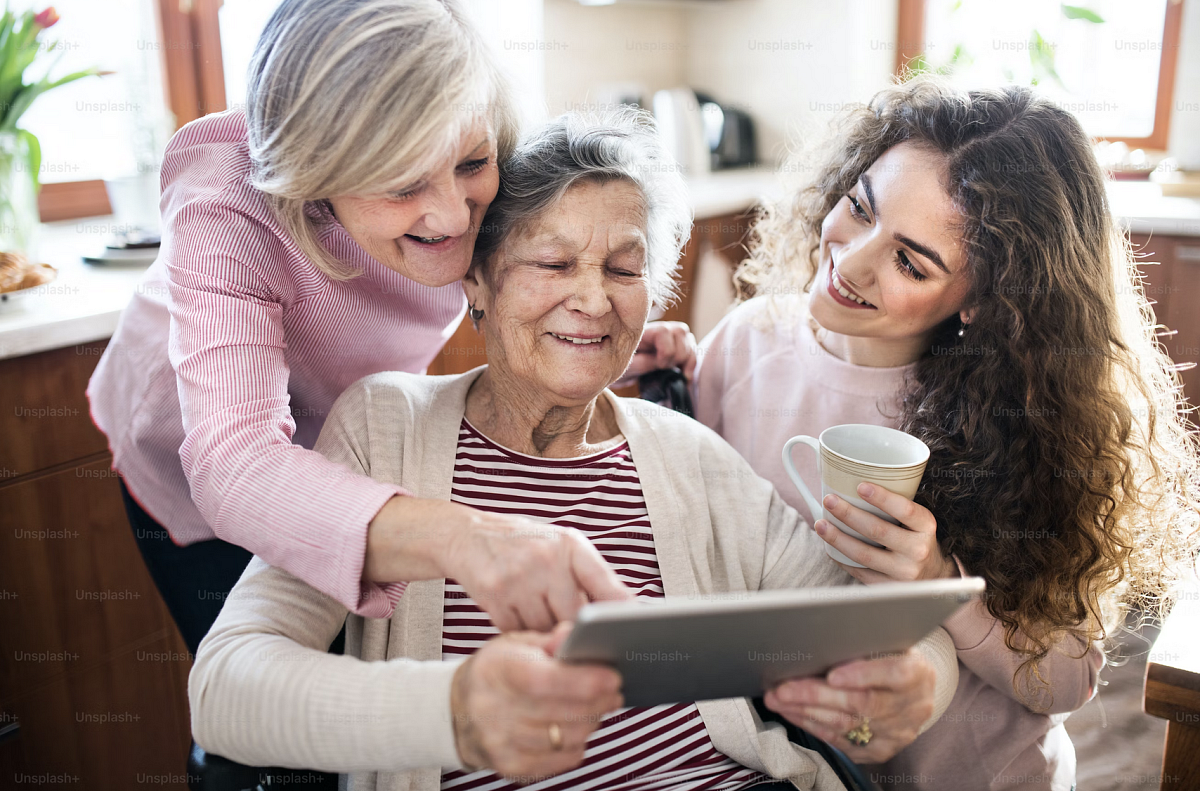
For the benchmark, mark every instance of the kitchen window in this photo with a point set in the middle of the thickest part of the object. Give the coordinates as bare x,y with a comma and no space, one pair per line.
175,61
1110,62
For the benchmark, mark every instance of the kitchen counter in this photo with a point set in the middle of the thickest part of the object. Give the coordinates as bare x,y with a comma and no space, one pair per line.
81,305
84,303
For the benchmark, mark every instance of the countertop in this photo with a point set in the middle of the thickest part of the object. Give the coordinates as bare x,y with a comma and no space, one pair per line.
84,303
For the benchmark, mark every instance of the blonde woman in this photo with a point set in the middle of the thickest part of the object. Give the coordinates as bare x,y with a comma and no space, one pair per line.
313,239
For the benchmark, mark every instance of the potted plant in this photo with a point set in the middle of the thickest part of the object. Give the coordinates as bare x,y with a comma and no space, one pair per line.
21,46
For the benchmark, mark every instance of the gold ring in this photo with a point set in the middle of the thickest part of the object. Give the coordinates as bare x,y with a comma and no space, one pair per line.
556,741
861,736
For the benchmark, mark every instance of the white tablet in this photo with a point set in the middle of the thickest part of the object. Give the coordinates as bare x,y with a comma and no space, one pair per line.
740,644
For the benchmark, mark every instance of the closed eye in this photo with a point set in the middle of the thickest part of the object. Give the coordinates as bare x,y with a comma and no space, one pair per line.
405,194
474,166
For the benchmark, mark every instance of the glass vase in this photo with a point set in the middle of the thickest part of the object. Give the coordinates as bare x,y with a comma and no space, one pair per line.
19,217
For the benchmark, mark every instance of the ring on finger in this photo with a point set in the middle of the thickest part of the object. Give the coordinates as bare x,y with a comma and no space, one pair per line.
860,736
555,733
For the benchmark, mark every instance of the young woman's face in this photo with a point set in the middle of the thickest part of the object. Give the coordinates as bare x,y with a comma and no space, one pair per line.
891,258
427,231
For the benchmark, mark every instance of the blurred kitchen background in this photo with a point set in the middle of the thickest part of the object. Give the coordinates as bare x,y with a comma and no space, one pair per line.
92,686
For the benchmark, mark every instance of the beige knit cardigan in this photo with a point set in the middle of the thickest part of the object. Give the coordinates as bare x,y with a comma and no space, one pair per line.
264,691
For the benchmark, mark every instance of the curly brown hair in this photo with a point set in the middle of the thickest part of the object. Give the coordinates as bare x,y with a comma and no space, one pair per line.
1063,469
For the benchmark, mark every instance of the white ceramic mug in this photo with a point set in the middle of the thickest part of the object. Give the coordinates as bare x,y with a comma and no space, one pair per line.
850,454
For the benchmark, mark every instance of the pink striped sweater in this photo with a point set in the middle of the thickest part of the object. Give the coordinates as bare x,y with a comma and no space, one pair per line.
231,353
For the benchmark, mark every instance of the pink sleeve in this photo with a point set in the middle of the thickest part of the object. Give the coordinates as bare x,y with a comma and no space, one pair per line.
290,506
708,387
979,640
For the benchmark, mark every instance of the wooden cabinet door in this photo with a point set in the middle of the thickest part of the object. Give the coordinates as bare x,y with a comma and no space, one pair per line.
1171,267
45,420
91,665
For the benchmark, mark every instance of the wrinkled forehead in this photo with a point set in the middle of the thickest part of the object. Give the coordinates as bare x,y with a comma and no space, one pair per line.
595,217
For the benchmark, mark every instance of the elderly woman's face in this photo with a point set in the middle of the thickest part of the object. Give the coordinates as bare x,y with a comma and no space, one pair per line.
427,231
566,299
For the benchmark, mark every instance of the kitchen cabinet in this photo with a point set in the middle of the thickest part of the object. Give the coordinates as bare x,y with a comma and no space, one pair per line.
1171,267
91,665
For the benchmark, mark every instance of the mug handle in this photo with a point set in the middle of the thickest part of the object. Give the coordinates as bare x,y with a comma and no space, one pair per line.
813,505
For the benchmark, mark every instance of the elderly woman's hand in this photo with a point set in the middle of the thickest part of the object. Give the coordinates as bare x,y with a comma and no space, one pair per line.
524,714
895,693
524,574
664,344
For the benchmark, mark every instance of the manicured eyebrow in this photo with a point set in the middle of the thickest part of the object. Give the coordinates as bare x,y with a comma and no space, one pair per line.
866,182
922,249
928,252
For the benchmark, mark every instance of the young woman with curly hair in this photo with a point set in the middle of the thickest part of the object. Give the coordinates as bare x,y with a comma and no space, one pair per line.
953,270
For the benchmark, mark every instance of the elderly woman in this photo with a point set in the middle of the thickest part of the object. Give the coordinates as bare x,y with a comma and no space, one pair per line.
314,238
579,244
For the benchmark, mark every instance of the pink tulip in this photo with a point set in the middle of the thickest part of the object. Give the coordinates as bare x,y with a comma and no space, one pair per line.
47,18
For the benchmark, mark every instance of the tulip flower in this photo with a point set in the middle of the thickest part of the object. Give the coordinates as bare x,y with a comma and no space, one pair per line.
47,18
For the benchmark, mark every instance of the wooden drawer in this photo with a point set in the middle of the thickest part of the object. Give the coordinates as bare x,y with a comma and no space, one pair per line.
1171,265
44,416
93,668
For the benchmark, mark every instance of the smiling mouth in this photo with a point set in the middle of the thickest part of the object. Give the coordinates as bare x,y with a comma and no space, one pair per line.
579,341
428,239
841,288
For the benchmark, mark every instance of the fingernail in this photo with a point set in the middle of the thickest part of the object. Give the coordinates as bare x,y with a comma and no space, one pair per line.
831,501
866,489
821,526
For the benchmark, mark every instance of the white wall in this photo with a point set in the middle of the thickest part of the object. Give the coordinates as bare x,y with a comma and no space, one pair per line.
589,49
792,64
513,29
1184,143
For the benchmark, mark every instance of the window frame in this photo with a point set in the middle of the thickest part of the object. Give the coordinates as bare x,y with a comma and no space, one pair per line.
910,41
194,82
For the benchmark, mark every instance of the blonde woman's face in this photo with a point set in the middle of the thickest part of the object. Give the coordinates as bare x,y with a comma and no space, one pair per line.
892,264
427,231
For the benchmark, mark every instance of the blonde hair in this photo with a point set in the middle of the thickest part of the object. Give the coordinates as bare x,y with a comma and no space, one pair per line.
364,96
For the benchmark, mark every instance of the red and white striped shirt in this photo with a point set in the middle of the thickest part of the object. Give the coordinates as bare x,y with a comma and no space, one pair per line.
230,355
634,749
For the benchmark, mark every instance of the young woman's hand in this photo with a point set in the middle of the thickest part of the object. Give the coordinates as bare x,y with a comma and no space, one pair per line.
892,695
664,344
522,713
523,574
910,550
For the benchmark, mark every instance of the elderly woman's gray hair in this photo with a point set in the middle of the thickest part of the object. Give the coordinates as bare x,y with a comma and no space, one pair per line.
621,145
354,97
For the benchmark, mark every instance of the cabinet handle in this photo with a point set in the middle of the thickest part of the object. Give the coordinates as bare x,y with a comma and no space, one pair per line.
1189,253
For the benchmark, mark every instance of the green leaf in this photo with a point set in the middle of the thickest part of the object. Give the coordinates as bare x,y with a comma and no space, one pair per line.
1041,59
75,75
1079,12
35,156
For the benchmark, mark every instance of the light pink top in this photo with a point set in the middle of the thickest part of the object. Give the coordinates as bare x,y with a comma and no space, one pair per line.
230,355
763,379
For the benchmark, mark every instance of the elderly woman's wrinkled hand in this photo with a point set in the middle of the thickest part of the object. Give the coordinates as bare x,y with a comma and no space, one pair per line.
893,695
522,713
